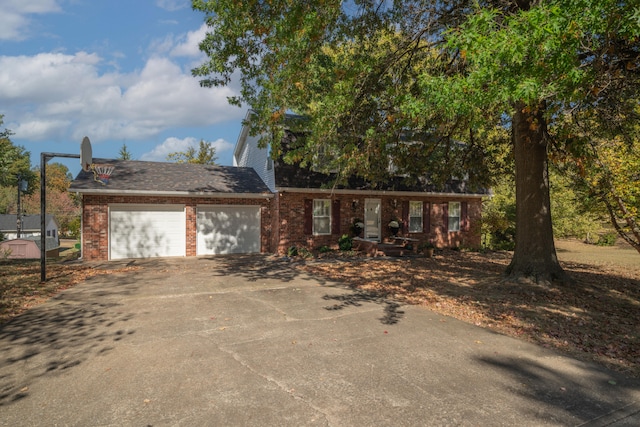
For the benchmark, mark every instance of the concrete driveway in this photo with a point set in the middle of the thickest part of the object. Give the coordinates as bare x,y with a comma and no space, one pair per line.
247,341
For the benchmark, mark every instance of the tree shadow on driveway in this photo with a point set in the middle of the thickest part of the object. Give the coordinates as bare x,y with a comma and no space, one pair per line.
392,312
256,268
55,337
592,395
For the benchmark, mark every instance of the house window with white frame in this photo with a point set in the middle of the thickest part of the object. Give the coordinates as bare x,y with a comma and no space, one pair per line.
415,217
321,216
454,216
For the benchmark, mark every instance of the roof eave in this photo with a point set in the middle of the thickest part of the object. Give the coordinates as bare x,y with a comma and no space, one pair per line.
198,194
378,192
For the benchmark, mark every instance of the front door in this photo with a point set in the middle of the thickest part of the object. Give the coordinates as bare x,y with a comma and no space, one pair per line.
372,219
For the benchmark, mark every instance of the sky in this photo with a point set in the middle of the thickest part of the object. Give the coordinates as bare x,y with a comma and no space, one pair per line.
117,71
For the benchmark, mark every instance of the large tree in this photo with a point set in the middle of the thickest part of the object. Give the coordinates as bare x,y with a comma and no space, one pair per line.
15,161
448,75
15,165
60,202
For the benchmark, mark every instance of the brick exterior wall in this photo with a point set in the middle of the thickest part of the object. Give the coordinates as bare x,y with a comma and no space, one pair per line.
95,219
283,220
289,220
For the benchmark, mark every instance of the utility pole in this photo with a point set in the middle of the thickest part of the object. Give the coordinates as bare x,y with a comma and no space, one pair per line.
22,187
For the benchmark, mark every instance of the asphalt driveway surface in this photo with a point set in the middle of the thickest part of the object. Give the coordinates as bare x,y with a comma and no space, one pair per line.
247,341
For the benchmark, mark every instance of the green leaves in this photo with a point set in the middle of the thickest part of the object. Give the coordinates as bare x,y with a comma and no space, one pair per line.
364,74
527,56
14,160
206,155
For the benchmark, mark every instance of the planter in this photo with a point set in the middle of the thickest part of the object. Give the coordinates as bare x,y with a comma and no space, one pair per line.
429,252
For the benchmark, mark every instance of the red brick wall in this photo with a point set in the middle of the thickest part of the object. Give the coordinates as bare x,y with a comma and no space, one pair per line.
289,220
95,219
283,220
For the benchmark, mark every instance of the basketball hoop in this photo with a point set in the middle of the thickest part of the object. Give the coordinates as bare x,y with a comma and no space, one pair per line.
86,158
102,172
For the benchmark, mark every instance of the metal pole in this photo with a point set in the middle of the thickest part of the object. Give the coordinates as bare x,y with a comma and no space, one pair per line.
43,212
18,219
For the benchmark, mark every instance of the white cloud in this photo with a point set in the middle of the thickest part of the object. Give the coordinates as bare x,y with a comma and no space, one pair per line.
172,5
170,145
14,21
222,146
52,88
173,145
189,45
36,128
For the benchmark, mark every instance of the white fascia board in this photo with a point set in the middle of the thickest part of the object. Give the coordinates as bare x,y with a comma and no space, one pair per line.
174,194
378,192
242,138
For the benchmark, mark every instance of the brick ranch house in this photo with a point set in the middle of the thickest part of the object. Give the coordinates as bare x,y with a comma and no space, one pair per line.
259,205
155,209
308,214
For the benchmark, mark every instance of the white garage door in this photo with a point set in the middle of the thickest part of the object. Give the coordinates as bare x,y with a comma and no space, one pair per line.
228,230
146,231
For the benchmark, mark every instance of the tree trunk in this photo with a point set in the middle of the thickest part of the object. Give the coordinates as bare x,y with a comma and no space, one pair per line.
534,257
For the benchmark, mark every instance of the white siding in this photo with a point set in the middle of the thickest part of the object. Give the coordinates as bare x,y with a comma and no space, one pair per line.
248,154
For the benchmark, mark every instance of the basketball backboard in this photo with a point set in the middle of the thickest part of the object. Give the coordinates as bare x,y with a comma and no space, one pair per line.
86,156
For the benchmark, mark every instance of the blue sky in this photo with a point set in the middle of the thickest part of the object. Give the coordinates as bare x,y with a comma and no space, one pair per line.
117,71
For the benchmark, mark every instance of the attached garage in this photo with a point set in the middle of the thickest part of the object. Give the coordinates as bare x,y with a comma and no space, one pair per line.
146,231
159,209
228,230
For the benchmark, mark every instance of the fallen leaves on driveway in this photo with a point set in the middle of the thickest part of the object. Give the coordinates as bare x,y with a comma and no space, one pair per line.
597,318
20,287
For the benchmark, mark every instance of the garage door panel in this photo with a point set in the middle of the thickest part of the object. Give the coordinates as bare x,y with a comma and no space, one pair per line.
228,230
147,231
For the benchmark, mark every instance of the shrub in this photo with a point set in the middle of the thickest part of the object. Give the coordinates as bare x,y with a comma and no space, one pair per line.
324,249
345,243
608,239
305,253
293,251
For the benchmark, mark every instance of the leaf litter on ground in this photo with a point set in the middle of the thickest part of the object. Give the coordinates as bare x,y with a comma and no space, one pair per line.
595,318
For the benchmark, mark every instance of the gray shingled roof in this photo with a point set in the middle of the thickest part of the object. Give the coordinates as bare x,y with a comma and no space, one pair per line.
29,222
50,242
294,176
137,176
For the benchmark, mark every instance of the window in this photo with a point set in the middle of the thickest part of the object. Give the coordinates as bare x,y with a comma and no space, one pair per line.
415,217
322,216
454,216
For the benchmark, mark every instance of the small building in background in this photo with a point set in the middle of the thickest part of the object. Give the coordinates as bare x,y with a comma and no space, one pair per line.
28,248
30,226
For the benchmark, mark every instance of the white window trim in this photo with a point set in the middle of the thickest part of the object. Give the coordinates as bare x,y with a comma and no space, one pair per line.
313,217
421,221
459,216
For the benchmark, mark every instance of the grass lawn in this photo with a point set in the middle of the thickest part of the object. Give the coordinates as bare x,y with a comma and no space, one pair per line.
596,318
